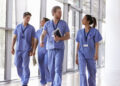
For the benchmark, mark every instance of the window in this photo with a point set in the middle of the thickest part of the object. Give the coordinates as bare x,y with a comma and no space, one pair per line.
74,26
2,13
2,37
50,5
74,2
34,8
2,53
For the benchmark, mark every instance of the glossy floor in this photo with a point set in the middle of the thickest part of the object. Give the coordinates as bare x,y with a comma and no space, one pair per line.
104,78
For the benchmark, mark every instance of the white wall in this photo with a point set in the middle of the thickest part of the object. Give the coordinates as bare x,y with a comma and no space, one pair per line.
113,34
111,75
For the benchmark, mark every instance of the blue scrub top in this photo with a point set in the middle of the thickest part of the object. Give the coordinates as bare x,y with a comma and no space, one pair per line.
24,37
37,36
49,28
93,37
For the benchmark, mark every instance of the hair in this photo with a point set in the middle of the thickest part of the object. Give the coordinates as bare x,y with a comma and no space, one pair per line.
55,8
26,14
92,20
46,19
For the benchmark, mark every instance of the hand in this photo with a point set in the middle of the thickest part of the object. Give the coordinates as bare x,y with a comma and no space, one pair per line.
96,57
31,53
56,38
41,44
34,52
77,59
13,51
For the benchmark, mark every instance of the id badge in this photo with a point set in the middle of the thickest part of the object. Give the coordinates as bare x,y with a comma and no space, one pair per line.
53,34
85,45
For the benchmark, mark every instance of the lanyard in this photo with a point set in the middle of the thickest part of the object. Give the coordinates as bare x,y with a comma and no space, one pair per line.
86,35
56,25
23,30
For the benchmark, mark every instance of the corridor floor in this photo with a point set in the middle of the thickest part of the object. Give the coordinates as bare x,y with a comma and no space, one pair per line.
72,79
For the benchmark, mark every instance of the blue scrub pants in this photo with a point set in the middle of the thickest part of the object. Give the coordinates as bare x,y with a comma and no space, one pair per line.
55,61
41,61
22,63
47,73
91,66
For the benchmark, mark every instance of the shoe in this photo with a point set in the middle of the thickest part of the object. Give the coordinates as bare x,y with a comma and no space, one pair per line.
24,85
49,84
42,85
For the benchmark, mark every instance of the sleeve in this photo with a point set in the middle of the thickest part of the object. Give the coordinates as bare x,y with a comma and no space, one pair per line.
15,31
45,27
36,37
66,28
77,37
98,36
33,32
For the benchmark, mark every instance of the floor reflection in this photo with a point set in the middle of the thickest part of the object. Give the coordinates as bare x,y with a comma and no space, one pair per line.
104,78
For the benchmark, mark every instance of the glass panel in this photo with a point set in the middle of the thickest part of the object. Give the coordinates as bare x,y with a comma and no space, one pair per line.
14,74
101,60
34,8
95,8
2,53
50,5
74,2
2,13
13,16
74,26
71,42
2,37
86,6
77,25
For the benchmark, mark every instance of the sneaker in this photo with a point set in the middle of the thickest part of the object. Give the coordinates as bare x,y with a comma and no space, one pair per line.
42,85
49,84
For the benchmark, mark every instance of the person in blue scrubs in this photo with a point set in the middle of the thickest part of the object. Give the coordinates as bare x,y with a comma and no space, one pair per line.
55,44
87,50
42,55
24,35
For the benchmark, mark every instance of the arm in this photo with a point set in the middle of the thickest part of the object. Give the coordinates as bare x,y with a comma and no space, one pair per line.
35,46
96,52
65,37
13,44
42,38
77,53
32,45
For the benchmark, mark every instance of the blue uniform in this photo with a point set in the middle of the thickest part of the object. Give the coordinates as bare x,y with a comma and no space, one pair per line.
42,59
86,55
23,47
55,50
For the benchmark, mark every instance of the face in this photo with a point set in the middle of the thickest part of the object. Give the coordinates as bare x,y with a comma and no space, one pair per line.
58,14
42,22
27,18
84,21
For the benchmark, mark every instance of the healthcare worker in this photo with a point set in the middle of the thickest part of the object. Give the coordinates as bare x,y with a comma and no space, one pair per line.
87,50
55,44
42,55
24,35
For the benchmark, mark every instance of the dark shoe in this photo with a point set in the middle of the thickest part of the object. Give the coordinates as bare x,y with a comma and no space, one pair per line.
24,85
